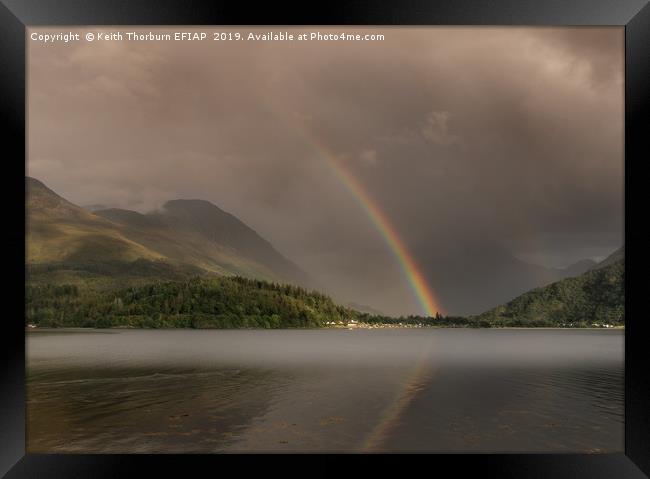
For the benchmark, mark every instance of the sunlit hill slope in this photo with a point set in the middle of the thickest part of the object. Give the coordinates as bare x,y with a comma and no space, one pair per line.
185,237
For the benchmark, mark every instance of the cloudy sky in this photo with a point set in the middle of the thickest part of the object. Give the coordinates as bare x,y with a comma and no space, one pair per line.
508,138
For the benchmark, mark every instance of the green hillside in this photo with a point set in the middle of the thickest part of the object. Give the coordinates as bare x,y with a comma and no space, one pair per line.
596,297
59,231
66,243
613,258
107,295
218,302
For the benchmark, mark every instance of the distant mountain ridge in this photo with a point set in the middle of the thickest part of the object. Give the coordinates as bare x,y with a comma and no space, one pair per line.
364,308
483,275
579,267
596,297
184,232
198,232
613,258
59,231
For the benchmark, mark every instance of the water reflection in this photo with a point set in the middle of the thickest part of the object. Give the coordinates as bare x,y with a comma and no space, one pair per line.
325,390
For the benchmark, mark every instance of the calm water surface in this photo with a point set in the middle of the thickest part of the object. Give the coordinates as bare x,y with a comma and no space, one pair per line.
397,390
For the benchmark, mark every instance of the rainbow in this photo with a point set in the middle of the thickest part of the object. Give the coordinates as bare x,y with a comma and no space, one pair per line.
390,236
422,371
430,306
389,419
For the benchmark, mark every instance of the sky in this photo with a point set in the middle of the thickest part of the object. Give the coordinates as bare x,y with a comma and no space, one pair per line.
467,140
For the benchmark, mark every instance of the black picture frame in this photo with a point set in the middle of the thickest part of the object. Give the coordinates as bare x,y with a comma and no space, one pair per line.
16,15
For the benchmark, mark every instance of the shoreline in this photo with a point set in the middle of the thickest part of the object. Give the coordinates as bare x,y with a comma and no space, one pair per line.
79,328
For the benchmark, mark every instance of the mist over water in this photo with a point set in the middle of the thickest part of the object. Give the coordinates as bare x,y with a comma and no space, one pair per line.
325,390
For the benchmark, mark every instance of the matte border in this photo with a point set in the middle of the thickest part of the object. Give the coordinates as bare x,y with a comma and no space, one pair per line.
15,15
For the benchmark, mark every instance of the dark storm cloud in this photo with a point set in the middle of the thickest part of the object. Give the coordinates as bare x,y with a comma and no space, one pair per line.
508,136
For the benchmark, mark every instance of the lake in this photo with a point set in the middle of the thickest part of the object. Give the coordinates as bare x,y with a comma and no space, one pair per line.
330,390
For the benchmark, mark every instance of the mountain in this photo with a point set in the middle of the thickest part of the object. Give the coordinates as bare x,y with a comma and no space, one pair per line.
596,297
479,276
616,256
192,235
364,308
94,207
579,267
199,233
59,231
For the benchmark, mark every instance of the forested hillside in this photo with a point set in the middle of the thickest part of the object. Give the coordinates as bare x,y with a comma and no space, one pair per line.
594,298
219,302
